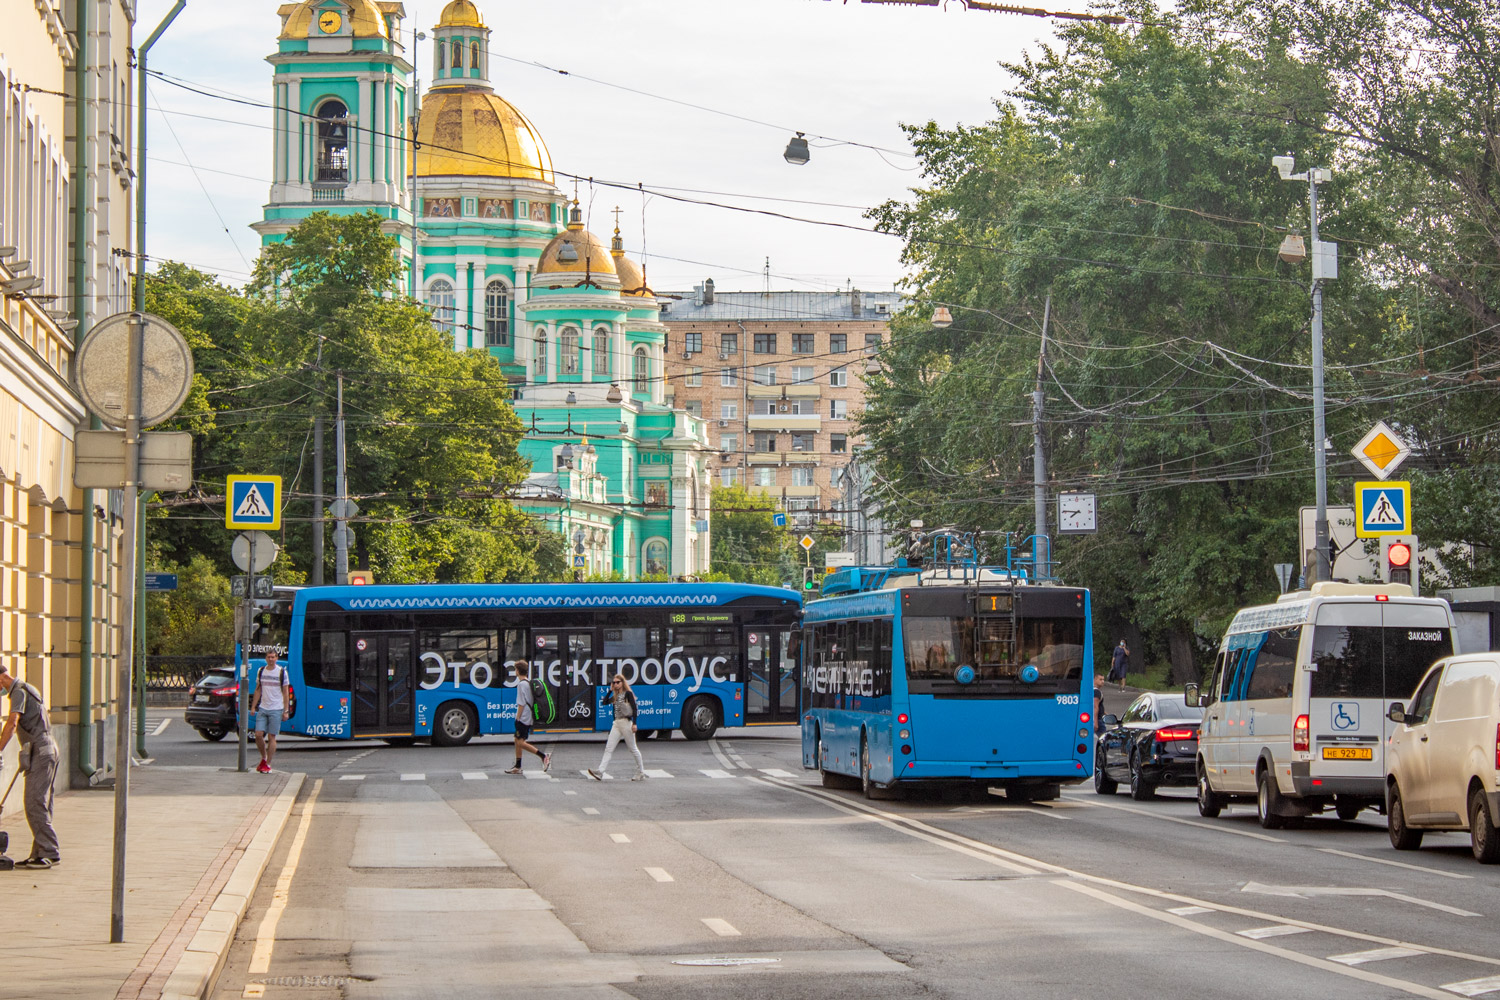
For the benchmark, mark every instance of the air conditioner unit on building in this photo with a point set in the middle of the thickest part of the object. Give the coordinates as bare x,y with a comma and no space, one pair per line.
687,355
785,408
723,355
725,456
723,423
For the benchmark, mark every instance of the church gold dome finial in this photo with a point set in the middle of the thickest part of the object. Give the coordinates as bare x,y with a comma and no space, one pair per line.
576,250
460,14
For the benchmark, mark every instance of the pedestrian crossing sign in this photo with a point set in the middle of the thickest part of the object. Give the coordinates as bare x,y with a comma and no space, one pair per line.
253,502
1383,509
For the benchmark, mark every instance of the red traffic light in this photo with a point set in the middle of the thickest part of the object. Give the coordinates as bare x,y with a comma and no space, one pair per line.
360,578
1399,555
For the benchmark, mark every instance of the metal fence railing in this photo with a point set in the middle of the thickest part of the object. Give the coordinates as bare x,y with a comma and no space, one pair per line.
176,674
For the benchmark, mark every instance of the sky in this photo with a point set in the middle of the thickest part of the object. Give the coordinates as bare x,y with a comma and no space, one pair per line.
847,71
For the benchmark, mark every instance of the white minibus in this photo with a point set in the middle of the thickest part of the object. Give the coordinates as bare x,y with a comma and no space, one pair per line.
1295,707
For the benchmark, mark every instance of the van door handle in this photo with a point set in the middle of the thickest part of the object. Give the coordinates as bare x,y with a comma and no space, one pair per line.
1423,738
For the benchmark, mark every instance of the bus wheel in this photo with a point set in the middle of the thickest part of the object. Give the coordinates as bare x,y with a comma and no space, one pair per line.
830,778
455,726
872,791
700,718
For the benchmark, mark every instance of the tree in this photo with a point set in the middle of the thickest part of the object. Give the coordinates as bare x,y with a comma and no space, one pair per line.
748,547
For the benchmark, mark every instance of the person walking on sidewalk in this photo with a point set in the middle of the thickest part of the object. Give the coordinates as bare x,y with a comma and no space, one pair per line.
28,716
1119,663
526,718
626,714
269,707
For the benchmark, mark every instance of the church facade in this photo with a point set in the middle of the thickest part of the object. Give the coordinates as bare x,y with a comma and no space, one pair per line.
464,182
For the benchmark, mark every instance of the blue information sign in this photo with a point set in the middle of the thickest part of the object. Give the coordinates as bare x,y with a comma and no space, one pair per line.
161,581
779,520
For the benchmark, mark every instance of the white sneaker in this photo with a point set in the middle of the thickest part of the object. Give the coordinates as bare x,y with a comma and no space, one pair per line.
595,775
639,777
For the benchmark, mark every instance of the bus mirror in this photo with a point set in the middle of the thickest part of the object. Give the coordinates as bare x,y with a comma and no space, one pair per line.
1190,695
1397,712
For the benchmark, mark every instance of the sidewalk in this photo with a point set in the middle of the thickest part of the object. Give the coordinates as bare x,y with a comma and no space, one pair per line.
199,839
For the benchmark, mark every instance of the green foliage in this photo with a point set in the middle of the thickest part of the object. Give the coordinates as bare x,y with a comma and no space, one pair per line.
196,619
431,435
747,545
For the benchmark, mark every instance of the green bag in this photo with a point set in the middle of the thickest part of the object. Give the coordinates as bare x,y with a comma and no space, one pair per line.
544,709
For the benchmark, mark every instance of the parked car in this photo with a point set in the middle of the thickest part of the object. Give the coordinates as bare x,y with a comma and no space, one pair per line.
1443,761
213,704
1154,743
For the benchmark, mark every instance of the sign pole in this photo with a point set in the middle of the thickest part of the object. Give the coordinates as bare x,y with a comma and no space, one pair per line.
244,684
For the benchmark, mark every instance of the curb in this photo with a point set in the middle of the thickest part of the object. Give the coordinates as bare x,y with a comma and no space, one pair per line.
197,971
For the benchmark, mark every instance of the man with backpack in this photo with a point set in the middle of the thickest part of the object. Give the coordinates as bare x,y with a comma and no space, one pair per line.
526,699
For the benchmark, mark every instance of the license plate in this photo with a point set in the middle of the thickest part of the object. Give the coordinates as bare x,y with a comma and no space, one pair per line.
202,697
1348,753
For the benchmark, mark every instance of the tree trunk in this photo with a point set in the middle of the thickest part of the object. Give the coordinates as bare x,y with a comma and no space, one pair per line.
1184,669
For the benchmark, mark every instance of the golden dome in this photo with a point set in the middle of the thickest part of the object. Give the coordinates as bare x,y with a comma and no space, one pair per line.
460,14
475,133
632,281
366,19
585,252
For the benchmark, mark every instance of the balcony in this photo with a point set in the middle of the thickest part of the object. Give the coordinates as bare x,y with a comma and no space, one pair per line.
789,390
333,171
802,491
785,422
765,458
801,457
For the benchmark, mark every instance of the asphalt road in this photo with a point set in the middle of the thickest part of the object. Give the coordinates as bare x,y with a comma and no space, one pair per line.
419,871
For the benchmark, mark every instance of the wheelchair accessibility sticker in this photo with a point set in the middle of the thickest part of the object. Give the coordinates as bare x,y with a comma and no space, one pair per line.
1345,715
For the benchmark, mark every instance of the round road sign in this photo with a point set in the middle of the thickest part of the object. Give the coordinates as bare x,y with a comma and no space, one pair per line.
166,369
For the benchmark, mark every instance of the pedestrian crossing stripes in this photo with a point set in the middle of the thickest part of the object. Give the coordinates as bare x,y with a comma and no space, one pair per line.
536,774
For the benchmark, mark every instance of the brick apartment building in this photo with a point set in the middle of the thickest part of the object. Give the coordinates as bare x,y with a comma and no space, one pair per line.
779,377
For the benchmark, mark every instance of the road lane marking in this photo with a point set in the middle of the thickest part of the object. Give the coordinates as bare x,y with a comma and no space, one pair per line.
660,874
1415,989
414,777
265,937
1373,955
723,928
1475,987
161,728
619,838
590,811
1393,864
777,772
1188,911
570,793
658,774
715,773
1217,827
1275,930
719,753
1309,891
1093,884
475,776
352,777
536,775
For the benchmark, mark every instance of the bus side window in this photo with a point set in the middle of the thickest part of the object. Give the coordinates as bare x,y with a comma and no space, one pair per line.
883,658
1211,689
333,660
1232,675
1272,676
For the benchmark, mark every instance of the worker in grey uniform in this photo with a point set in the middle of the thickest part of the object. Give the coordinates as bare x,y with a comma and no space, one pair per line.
28,716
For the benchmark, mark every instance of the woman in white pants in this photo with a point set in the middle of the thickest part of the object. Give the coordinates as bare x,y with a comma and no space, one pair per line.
626,713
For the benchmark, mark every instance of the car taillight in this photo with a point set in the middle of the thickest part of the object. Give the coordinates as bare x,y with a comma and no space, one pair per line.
1301,742
1169,735
903,718
231,689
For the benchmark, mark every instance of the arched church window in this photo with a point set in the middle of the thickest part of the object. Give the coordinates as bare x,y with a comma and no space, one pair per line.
539,357
333,143
458,57
601,351
474,56
441,300
496,315
642,372
567,351
441,57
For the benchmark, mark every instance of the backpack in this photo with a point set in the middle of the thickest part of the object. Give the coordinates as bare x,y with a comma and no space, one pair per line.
543,708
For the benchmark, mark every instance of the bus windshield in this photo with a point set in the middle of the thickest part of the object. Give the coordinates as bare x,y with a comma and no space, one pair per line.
997,649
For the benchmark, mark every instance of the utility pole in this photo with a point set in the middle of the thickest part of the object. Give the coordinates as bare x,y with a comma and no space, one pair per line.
1039,456
341,487
318,520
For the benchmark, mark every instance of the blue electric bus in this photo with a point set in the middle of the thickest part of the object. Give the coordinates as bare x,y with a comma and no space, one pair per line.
955,674
434,661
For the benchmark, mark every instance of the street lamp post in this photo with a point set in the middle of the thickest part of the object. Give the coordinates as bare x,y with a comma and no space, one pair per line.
1325,268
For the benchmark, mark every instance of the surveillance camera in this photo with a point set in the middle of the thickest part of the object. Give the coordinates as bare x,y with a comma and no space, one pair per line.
1283,164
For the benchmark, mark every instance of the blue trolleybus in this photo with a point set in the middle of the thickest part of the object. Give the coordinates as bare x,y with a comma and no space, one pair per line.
435,661
958,674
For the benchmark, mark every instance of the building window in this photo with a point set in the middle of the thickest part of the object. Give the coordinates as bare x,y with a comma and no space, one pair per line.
802,475
729,376
729,442
729,477
803,373
458,56
762,407
539,357
765,476
474,56
765,343
838,377
729,343
872,343
765,441
496,315
601,352
804,441
802,343
567,351
765,374
694,407
838,443
442,62
694,377
729,411
838,409
838,343
642,372
692,342
440,300
333,143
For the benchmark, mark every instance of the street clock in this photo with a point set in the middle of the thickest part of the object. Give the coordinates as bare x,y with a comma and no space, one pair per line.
1077,514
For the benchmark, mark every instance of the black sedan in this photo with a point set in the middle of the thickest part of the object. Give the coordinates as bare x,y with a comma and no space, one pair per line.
213,704
1155,743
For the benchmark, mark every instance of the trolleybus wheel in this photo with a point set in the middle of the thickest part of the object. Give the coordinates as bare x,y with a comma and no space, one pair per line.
831,779
700,718
872,791
455,725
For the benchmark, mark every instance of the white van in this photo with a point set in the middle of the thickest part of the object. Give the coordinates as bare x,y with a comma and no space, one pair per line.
1295,708
1443,762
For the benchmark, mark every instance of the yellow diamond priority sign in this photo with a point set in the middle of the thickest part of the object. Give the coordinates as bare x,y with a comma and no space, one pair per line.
1381,451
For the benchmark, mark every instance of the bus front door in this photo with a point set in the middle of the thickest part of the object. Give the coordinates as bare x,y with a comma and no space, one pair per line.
563,659
384,684
770,678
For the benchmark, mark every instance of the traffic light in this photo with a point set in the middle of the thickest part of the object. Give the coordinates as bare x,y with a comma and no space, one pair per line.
809,580
361,578
1400,556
